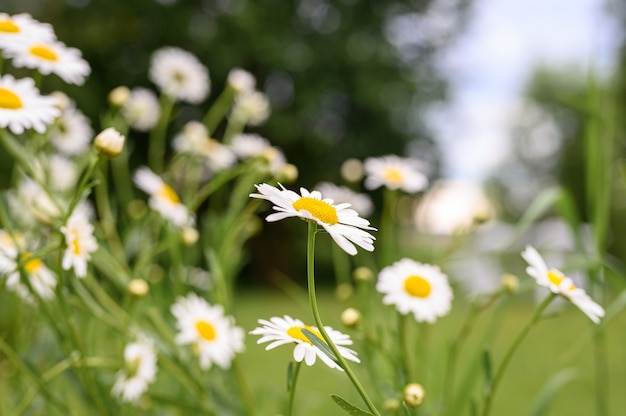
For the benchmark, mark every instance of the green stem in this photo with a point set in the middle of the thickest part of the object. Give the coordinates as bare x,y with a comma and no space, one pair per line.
514,346
292,387
403,342
82,185
387,242
156,148
219,109
312,230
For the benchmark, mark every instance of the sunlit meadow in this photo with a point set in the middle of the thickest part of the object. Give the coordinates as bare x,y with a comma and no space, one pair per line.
119,279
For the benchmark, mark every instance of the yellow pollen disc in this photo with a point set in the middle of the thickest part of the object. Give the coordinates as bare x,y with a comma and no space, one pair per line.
296,332
417,286
206,330
76,247
555,277
393,175
9,100
32,265
318,209
166,192
44,52
7,26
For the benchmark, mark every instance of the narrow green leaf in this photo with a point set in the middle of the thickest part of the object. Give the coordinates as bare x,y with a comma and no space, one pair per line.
487,370
320,343
552,386
407,411
349,407
538,208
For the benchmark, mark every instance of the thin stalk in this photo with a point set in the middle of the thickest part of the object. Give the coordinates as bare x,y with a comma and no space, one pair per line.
292,387
312,230
156,148
82,185
403,342
514,346
219,109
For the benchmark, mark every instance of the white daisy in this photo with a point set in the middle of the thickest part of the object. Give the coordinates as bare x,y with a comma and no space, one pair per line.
421,289
141,110
560,284
62,173
79,241
361,203
22,107
73,132
251,107
50,57
241,80
194,139
343,224
21,27
163,199
32,204
140,370
247,146
287,330
213,335
179,75
394,172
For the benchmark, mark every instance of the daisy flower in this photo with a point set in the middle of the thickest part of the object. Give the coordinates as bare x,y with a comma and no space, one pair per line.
31,203
73,133
62,173
361,203
213,335
394,172
287,330
560,284
140,370
195,139
421,289
22,27
79,241
343,224
50,57
23,107
179,75
241,80
251,107
163,199
247,146
141,110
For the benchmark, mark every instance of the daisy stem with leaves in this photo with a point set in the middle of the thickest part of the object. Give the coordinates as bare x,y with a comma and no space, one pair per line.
492,387
312,230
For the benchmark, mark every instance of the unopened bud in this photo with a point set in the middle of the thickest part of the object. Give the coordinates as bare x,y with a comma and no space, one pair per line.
288,173
510,283
414,394
350,317
363,274
118,96
190,236
110,142
391,405
344,291
138,287
352,170
63,101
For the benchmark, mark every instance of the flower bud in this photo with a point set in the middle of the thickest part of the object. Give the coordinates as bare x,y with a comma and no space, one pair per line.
138,287
363,274
190,236
510,283
391,405
110,142
118,96
344,291
414,394
350,317
352,170
288,173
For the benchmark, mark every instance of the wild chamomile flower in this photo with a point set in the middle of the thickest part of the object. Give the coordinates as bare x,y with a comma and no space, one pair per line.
140,370
163,199
79,241
214,336
195,139
412,287
343,224
560,284
50,57
179,75
287,330
22,27
394,172
247,146
23,107
32,204
62,173
241,80
251,107
141,110
361,203
73,132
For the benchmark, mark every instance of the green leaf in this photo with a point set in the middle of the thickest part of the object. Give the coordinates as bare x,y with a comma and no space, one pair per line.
487,369
349,407
321,344
552,386
537,209
406,409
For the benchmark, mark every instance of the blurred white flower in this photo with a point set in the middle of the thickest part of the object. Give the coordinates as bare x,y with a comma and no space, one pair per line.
163,199
141,109
179,75
241,80
23,107
63,174
361,203
394,172
251,107
140,370
73,133
248,146
31,203
79,241
194,139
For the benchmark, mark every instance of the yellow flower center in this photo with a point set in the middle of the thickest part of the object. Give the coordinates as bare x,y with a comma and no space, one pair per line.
206,330
296,332
167,193
44,52
33,264
556,277
393,175
318,209
76,246
417,286
7,26
9,100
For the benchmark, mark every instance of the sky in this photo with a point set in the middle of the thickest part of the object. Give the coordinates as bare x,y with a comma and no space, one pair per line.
492,60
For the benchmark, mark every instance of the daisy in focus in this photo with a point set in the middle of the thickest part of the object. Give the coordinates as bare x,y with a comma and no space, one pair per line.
560,284
23,107
214,336
394,172
140,362
412,287
287,330
21,27
79,241
179,75
49,57
342,223
163,199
